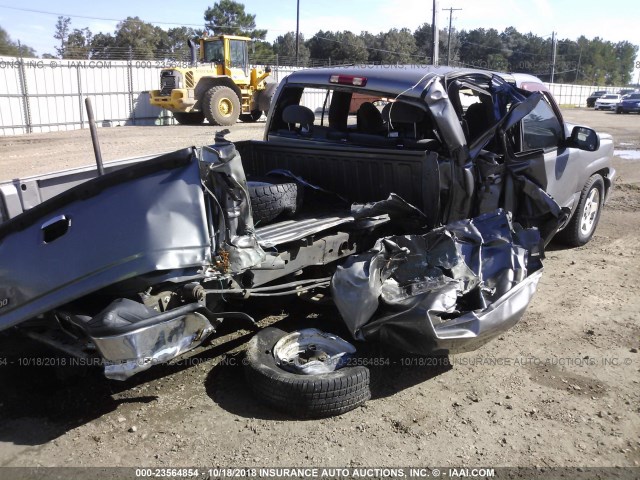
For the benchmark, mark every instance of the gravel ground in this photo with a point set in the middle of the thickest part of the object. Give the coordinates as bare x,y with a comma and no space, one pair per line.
562,388
39,153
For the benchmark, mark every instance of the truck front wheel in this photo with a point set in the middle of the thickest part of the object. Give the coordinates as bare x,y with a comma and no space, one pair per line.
221,106
585,219
192,118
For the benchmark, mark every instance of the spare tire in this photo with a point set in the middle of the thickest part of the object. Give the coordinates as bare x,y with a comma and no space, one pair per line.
271,197
305,396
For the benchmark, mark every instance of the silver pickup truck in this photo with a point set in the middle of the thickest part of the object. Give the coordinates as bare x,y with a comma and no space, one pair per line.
418,200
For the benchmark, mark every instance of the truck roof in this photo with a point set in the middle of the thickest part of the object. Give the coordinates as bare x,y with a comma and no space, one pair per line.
400,78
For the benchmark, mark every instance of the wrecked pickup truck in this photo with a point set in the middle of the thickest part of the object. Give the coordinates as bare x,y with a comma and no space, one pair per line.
422,219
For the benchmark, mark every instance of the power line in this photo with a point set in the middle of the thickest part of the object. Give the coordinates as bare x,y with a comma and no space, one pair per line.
86,17
92,18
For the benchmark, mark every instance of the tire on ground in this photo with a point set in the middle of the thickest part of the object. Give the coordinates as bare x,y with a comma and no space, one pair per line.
304,396
265,97
191,118
221,106
572,234
271,197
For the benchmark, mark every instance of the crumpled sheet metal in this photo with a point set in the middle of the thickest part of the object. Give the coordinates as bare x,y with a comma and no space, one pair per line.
449,290
445,117
227,181
532,205
394,206
134,352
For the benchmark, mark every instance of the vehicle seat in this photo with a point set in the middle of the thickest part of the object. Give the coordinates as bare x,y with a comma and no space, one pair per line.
411,125
299,120
477,119
369,119
404,118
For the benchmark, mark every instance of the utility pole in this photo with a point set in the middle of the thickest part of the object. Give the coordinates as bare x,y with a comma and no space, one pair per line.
297,30
435,34
554,43
578,69
451,10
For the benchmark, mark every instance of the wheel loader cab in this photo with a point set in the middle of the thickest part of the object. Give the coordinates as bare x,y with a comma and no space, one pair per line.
238,55
213,51
229,53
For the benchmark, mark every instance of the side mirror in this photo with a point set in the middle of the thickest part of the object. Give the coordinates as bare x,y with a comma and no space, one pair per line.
585,138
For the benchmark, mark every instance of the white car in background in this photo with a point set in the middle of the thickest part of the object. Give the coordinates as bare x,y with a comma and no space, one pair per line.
608,101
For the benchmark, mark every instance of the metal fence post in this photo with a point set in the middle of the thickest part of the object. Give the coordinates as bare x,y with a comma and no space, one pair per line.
26,107
80,96
132,112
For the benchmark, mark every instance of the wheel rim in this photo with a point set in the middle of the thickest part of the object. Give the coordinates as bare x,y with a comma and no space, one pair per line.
225,107
311,352
590,211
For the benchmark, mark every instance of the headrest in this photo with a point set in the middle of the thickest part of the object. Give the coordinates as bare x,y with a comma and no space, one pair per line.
369,118
298,114
401,112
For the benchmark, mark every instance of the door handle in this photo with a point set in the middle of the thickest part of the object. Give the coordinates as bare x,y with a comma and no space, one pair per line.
55,228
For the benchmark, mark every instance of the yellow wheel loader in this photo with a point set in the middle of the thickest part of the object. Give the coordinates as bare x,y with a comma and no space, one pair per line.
218,85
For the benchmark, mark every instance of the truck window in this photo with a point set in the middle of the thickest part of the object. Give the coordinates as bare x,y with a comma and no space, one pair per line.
541,128
238,53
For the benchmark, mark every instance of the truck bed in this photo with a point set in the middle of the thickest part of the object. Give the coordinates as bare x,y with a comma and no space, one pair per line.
357,174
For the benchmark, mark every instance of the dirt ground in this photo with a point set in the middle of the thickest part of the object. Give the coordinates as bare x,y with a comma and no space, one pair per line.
562,388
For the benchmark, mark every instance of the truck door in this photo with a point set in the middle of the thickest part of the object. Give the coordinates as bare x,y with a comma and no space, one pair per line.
549,161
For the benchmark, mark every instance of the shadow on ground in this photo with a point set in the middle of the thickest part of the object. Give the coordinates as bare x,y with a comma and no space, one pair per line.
37,391
391,371
61,398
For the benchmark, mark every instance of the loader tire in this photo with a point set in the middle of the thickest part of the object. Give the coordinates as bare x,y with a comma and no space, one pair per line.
251,117
221,106
191,118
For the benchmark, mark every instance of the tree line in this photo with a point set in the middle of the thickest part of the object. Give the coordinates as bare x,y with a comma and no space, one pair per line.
583,61
12,48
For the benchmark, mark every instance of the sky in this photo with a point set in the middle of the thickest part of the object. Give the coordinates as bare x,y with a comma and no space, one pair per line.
620,20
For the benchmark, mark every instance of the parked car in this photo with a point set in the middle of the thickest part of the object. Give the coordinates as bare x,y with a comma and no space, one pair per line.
424,223
630,103
591,99
626,91
608,101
